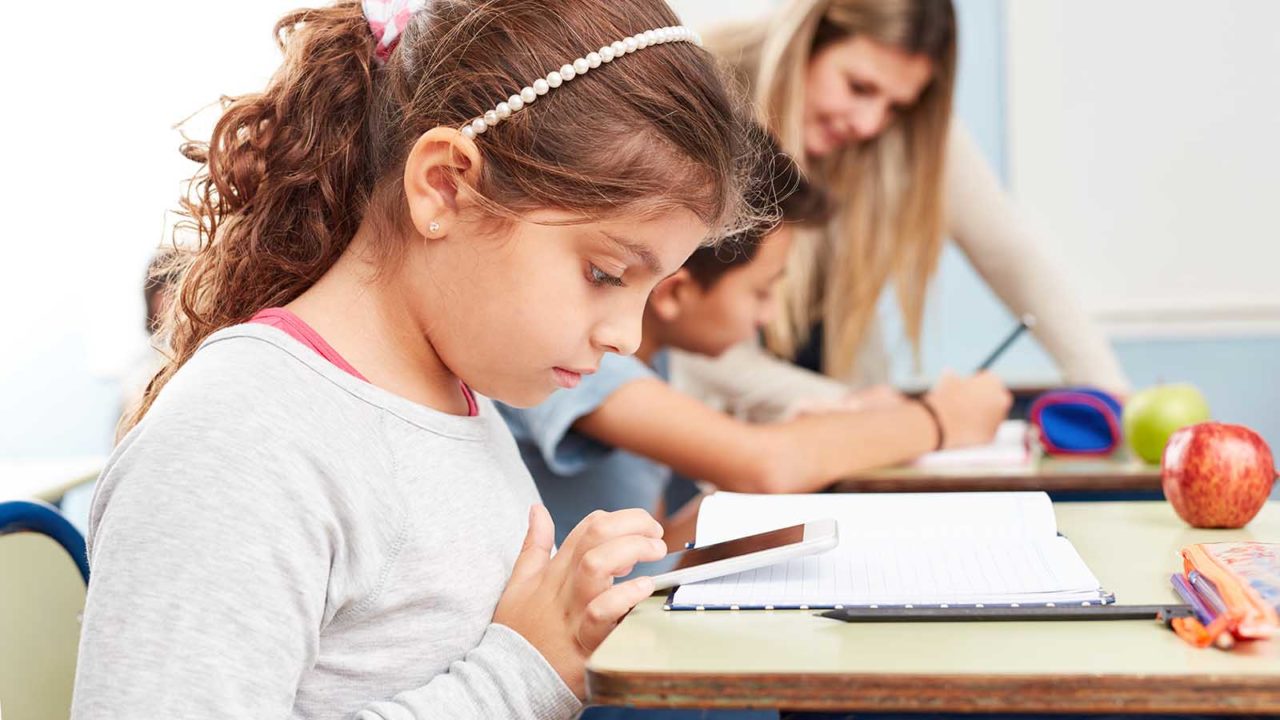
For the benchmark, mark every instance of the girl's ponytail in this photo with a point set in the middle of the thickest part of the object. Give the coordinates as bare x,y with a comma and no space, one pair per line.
284,184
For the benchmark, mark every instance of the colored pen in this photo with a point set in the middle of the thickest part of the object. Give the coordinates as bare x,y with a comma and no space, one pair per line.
1189,596
1207,590
1025,323
1212,622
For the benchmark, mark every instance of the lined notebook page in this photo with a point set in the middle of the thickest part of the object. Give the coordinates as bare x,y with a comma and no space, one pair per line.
909,549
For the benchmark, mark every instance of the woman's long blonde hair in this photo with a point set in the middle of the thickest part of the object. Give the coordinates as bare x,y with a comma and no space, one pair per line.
889,190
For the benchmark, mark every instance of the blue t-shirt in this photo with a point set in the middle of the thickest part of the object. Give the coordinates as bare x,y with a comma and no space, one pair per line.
576,474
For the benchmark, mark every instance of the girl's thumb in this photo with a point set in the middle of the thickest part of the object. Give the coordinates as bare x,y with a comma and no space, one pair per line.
538,541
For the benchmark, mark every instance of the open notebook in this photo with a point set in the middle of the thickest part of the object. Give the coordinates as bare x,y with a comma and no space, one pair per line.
924,549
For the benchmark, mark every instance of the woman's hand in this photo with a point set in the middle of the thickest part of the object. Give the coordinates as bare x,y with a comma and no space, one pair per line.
566,605
969,409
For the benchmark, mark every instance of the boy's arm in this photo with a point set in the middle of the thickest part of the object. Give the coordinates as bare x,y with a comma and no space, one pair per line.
751,383
650,418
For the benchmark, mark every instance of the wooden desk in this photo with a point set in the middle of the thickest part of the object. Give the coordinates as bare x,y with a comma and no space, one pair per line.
795,660
1050,474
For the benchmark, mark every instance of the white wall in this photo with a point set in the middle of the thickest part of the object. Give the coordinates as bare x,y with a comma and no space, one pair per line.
92,155
1143,140
705,14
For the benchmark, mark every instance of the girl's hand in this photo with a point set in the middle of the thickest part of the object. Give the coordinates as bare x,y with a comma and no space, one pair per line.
970,409
566,605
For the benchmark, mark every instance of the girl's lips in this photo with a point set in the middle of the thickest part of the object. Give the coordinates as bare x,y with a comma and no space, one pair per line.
567,379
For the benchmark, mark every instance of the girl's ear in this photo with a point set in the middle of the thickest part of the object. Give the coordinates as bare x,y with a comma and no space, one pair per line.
438,160
667,301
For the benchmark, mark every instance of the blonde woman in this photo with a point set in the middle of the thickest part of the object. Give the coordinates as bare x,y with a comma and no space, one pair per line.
861,92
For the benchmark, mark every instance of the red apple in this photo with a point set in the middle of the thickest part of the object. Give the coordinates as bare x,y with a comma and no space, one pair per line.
1217,475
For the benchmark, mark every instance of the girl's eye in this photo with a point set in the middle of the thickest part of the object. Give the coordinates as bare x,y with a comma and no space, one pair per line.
600,278
859,88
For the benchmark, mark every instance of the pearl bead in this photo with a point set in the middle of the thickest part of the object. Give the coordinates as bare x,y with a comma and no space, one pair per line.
554,79
619,48
516,103
541,86
568,72
641,42
606,54
479,126
468,133
503,110
528,95
594,59
581,65
631,44
491,118
650,37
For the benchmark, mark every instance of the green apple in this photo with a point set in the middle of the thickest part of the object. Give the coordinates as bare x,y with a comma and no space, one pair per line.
1154,414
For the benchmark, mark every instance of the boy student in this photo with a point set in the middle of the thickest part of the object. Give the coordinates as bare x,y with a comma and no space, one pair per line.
613,441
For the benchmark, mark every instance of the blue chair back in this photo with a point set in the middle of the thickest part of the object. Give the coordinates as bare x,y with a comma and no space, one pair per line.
43,574
35,516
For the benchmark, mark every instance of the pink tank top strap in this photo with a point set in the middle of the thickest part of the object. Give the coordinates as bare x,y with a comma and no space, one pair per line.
296,328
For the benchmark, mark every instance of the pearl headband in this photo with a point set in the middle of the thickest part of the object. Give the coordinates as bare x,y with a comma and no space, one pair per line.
569,71
388,19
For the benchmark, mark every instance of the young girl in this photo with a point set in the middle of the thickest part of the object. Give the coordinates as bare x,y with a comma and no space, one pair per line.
313,514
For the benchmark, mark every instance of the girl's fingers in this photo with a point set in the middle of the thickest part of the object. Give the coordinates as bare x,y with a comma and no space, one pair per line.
536,552
600,527
598,566
603,613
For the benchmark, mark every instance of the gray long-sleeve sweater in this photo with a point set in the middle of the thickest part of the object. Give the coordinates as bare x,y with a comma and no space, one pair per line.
279,539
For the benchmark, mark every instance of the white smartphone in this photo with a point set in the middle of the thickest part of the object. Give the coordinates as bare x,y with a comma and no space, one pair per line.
740,554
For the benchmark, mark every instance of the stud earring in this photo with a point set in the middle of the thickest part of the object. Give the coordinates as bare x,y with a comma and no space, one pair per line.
434,227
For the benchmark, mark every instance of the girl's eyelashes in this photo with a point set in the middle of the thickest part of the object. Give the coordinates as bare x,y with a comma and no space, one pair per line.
859,88
600,278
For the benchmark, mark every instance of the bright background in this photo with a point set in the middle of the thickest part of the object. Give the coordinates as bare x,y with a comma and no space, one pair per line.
1139,137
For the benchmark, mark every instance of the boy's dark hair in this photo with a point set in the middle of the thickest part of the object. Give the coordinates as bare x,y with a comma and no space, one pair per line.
781,191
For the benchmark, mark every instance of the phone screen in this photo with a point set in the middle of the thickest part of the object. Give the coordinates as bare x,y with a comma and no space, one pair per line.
719,551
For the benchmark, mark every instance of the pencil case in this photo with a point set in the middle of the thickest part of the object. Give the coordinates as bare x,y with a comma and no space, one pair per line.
1077,421
1246,579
